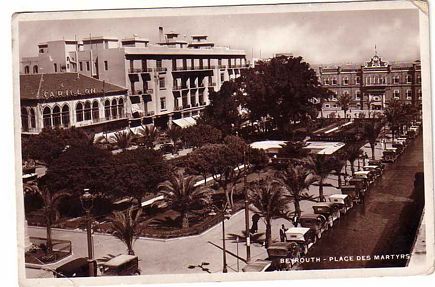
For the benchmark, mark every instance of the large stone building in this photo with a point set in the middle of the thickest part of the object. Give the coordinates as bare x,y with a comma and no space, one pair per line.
165,81
373,84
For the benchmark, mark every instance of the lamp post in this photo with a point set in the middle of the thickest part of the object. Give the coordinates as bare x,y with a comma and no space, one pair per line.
225,214
245,191
86,200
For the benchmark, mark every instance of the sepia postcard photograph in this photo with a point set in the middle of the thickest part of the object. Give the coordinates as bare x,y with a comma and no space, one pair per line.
223,143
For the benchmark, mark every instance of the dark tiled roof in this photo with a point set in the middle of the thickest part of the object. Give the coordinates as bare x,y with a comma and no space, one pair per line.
63,85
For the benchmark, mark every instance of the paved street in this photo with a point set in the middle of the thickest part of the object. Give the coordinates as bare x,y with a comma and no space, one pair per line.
386,224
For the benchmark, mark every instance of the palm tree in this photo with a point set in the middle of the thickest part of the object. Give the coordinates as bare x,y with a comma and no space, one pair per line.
174,133
344,102
50,203
148,136
183,195
297,180
123,140
353,152
394,114
321,167
268,200
337,164
125,226
371,133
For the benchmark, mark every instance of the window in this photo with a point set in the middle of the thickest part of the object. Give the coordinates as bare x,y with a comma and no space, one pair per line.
144,65
24,120
56,116
409,79
95,111
327,105
67,59
174,64
222,77
106,65
219,62
162,83
419,94
326,81
358,95
32,118
382,80
357,79
81,66
345,93
79,112
26,70
346,81
107,110
35,69
88,67
408,94
46,117
418,79
87,111
65,116
114,108
334,81
121,108
396,79
396,94
55,67
184,64
192,64
158,63
163,103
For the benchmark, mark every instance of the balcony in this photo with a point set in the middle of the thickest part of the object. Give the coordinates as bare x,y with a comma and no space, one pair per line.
179,88
139,70
195,68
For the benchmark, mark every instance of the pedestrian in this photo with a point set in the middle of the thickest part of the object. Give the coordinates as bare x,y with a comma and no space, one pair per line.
282,234
254,228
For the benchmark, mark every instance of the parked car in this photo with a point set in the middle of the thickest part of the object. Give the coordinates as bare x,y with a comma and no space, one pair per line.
78,267
121,265
368,176
374,169
303,236
329,210
316,222
378,163
283,255
258,266
398,146
343,201
389,155
360,184
352,192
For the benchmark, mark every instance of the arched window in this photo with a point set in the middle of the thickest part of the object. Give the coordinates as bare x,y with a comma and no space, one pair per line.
56,116
32,118
107,109
87,111
46,117
24,120
35,69
95,111
114,108
79,112
26,70
65,116
121,108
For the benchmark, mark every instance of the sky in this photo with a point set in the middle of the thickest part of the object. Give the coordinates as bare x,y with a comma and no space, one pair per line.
319,37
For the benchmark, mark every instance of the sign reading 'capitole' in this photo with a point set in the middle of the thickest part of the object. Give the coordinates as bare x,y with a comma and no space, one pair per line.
70,92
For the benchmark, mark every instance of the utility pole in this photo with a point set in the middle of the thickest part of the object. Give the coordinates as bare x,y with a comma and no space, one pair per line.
245,190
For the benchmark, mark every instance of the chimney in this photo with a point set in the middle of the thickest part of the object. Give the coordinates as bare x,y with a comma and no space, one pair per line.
161,34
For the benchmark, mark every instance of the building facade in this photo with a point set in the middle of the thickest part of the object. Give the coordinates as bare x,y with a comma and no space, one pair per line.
70,99
164,81
372,85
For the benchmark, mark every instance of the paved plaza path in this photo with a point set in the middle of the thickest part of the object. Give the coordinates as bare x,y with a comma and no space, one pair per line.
175,255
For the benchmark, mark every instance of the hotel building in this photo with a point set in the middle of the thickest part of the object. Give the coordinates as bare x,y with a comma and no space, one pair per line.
164,81
373,84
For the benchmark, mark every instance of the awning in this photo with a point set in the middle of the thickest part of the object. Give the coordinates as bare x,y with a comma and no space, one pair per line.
185,122
134,99
146,98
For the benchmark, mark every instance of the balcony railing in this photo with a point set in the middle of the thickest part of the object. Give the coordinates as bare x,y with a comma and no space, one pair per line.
179,87
140,70
195,68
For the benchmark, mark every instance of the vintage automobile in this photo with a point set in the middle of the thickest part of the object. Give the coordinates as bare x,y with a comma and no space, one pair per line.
75,268
376,170
389,155
121,265
258,266
343,201
303,236
353,192
316,222
368,176
403,140
398,146
359,183
378,163
283,255
329,210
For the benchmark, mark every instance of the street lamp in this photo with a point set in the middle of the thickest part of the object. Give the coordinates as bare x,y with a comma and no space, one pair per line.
226,213
86,200
245,191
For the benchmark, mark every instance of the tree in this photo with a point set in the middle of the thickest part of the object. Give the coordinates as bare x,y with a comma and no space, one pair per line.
352,153
122,140
372,128
197,163
294,150
200,134
125,226
297,179
394,114
257,159
337,164
50,143
268,199
223,110
183,195
174,133
148,135
138,172
344,102
288,82
321,166
50,202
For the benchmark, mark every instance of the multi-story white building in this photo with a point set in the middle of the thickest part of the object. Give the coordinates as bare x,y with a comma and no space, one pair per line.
165,81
